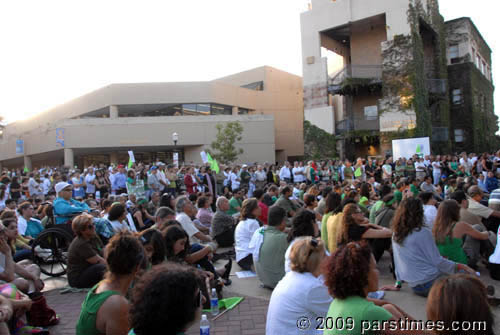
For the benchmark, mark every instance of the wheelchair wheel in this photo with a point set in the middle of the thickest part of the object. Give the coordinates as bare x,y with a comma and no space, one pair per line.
50,251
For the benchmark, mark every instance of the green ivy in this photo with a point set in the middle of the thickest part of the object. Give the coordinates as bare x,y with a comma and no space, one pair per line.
318,144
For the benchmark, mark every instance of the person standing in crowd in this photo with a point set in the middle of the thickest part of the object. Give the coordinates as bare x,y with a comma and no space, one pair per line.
34,187
154,180
244,177
119,184
15,189
172,180
387,170
101,184
436,170
260,177
78,185
90,183
285,173
235,179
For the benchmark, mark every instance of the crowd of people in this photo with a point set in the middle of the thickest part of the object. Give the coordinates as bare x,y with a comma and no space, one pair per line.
148,238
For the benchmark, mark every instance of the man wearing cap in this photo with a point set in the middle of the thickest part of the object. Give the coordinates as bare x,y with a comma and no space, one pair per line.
64,205
154,180
244,177
475,206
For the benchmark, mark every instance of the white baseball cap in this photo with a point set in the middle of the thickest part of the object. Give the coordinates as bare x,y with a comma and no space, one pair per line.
61,186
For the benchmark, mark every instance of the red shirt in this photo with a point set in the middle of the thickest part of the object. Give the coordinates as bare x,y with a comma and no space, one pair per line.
264,210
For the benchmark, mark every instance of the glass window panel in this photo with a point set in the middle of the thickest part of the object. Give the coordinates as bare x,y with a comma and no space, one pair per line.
221,110
459,135
203,109
457,96
189,109
453,51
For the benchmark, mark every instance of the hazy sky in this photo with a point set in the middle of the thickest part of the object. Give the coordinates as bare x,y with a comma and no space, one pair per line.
56,50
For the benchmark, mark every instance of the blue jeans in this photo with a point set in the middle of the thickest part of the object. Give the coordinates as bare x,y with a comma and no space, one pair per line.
424,289
22,254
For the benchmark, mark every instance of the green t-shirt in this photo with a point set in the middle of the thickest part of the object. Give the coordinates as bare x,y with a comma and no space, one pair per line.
398,196
233,204
373,211
414,190
357,314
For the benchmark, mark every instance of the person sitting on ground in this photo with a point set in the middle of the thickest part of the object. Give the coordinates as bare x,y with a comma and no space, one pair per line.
475,206
332,201
154,246
105,310
303,225
350,289
355,227
86,266
185,211
385,190
140,216
269,245
322,203
64,206
178,250
271,195
383,217
162,216
235,203
167,295
334,224
20,244
264,209
449,233
117,217
25,277
460,297
413,248
204,213
244,231
310,203
301,293
27,225
223,224
430,210
491,182
284,201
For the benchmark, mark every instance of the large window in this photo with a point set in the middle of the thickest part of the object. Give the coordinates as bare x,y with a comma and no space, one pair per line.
453,52
221,109
257,86
459,135
371,113
457,96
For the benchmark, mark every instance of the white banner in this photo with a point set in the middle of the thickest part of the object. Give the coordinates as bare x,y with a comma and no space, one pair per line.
131,156
204,157
411,146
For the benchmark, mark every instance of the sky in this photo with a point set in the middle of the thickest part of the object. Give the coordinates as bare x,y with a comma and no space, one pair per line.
57,50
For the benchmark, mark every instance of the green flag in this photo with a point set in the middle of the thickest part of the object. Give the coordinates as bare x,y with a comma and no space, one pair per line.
130,163
357,173
214,166
419,149
26,169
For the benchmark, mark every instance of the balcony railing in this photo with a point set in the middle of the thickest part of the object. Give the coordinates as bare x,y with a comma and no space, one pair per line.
348,125
437,86
357,71
352,78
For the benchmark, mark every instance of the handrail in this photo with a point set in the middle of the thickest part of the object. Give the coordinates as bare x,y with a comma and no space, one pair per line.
357,71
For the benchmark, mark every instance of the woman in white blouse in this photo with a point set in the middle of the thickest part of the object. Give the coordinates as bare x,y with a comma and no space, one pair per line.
248,224
301,295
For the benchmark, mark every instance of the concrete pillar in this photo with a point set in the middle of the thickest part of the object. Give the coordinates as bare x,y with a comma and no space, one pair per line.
27,163
1,167
113,158
113,112
235,110
69,158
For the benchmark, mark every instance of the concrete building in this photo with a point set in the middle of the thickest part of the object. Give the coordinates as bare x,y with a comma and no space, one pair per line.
100,127
378,71
473,121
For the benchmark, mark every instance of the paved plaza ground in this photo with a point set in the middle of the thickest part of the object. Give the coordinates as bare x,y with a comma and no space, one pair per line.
249,317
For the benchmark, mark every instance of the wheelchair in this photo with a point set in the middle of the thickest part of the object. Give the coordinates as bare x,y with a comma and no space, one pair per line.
50,248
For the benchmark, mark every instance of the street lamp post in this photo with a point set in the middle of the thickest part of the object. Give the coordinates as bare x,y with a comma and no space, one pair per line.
175,138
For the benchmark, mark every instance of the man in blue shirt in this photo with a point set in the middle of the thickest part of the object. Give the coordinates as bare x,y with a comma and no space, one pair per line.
120,181
64,206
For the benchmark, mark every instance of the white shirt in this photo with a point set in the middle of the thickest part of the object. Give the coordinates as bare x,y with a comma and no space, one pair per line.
420,166
131,223
33,187
256,243
119,226
430,213
436,168
22,225
235,183
163,178
296,296
89,180
188,226
242,236
46,186
479,209
261,175
387,171
494,257
298,178
285,173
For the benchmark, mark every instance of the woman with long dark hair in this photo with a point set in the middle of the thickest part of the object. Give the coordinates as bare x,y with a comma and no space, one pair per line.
414,248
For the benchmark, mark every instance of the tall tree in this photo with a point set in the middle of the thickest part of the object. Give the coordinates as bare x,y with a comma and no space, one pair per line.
224,144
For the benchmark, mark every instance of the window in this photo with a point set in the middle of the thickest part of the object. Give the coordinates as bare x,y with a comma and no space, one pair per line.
478,61
453,52
457,96
243,111
459,135
257,86
474,55
483,69
371,113
221,110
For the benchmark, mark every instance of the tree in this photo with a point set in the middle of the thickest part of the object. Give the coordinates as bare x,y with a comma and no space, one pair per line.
227,136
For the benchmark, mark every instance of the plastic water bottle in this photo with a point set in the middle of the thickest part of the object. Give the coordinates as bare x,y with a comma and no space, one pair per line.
214,302
204,325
